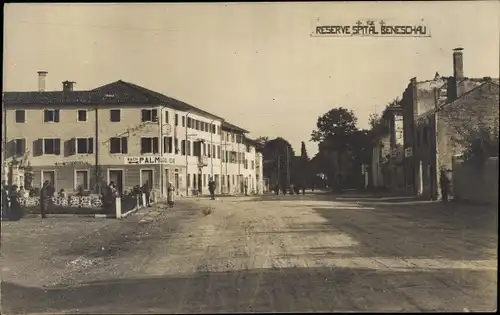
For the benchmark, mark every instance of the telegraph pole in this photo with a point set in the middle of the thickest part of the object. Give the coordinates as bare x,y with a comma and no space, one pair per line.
279,173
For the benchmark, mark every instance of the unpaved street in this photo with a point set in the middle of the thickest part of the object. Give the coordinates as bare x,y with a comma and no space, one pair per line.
285,253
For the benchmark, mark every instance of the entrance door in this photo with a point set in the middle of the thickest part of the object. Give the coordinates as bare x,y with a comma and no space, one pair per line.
51,177
116,176
177,183
166,180
217,186
147,176
200,183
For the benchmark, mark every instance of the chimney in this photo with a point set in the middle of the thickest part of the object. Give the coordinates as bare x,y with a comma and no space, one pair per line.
42,78
458,71
68,86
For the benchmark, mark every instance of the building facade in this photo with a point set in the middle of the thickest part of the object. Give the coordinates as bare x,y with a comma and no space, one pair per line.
126,134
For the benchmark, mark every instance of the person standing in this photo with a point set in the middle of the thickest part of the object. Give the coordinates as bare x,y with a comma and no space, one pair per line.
211,188
45,195
445,185
170,195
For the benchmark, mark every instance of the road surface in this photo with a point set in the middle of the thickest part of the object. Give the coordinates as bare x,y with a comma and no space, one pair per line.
272,253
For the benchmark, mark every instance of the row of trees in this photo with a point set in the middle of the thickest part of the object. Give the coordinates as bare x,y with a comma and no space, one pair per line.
282,166
343,148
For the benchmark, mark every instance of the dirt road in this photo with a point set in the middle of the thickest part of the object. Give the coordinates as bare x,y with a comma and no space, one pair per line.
288,253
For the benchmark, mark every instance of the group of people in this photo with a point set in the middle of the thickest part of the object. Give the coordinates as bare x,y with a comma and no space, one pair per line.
293,189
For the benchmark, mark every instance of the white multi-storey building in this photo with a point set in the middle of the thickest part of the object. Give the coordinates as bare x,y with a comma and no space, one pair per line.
127,134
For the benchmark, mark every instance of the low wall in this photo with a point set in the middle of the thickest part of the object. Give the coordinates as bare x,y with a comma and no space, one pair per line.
476,183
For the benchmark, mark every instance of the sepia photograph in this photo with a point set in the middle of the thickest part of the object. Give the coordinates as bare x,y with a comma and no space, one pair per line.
250,157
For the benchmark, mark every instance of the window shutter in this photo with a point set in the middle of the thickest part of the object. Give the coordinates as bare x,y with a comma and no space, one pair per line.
56,115
57,146
90,145
22,146
37,147
124,145
170,149
155,145
144,115
154,115
72,146
143,144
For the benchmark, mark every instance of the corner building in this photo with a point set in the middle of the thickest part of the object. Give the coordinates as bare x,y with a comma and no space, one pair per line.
127,134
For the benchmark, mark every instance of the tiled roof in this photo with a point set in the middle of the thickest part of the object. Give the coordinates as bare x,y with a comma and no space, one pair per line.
119,92
228,126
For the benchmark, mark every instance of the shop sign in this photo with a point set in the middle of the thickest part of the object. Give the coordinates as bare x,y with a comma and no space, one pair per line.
145,160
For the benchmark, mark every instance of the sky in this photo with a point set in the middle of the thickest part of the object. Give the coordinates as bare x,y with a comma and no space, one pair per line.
254,64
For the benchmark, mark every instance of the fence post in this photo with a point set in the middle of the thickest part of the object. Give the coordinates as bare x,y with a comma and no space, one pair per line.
118,207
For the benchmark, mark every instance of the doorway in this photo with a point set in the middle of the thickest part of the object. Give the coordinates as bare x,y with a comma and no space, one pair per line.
116,176
51,177
147,176
217,186
166,181
176,181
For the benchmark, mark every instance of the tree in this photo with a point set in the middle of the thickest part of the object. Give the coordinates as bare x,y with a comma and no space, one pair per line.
275,155
303,152
334,133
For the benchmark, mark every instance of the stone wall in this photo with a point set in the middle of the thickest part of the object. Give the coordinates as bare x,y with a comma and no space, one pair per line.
476,183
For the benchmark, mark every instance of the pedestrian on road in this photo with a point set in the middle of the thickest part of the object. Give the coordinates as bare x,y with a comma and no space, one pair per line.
5,200
170,195
445,185
303,189
15,206
211,188
246,189
146,189
45,195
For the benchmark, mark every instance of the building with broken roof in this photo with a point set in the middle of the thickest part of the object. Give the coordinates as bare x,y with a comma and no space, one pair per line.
433,111
127,134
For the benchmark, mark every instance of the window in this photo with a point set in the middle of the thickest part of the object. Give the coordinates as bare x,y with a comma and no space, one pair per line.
196,125
114,115
166,116
51,146
84,145
51,115
20,116
167,145
189,122
213,150
204,149
183,147
188,149
82,179
82,115
197,148
183,121
253,164
149,115
176,145
194,180
20,145
118,145
188,180
232,137
218,152
176,119
214,128
149,145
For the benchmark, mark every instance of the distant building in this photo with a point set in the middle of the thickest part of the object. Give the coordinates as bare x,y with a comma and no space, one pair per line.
124,133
